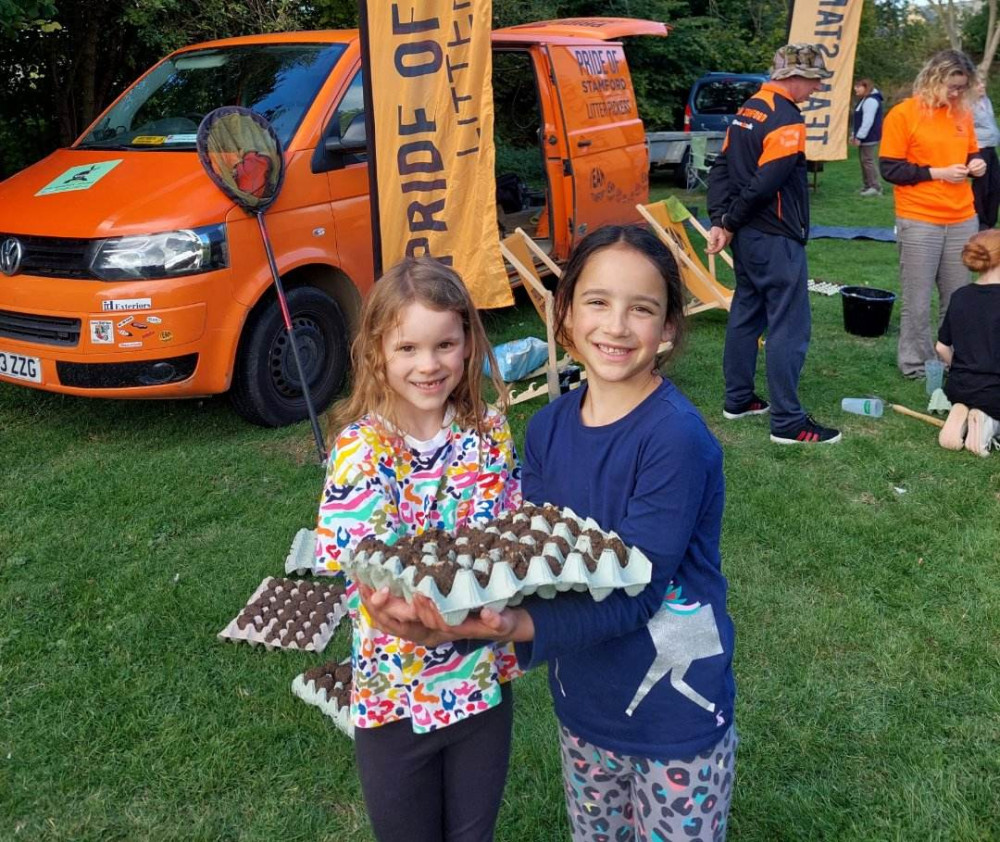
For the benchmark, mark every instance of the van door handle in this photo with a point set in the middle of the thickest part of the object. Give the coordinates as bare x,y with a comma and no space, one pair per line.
584,143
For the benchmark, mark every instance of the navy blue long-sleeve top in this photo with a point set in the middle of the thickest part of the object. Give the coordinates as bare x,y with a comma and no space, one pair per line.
649,675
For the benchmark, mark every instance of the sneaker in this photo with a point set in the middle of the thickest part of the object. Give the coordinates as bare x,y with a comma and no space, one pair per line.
871,191
982,430
809,433
952,435
754,406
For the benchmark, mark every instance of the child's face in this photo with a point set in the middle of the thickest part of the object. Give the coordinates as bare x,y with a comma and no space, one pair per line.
616,319
425,360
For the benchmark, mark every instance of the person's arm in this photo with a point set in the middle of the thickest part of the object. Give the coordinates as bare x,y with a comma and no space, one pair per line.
356,503
778,159
498,486
945,346
974,161
718,201
680,468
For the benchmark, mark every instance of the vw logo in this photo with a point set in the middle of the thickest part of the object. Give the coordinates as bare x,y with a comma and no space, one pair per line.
11,253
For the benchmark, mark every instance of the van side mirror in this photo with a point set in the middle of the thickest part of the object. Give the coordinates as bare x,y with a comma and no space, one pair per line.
354,138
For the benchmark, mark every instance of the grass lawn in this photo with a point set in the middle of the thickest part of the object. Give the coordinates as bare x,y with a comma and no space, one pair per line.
863,583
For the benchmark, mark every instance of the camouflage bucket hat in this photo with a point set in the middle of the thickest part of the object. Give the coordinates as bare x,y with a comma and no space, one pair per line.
799,60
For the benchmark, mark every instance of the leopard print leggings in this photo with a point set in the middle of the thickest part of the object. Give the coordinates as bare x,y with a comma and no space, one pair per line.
621,798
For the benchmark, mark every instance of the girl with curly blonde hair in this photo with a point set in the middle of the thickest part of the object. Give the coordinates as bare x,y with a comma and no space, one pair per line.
416,448
929,152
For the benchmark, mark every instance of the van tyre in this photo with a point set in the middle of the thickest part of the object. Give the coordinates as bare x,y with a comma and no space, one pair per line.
266,389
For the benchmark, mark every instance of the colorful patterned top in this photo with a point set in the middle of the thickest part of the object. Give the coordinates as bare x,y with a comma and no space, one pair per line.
375,487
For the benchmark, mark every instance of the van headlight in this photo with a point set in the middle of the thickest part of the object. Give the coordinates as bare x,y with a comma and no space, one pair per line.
164,255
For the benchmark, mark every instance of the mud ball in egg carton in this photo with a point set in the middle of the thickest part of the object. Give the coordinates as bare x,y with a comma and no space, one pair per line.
334,679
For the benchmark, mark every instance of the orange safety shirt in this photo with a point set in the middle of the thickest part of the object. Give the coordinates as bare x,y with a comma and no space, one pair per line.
930,137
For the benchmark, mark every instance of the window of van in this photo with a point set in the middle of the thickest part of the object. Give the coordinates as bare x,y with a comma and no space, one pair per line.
162,112
724,96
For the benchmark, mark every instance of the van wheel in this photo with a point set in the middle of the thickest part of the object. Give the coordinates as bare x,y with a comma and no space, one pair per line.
266,388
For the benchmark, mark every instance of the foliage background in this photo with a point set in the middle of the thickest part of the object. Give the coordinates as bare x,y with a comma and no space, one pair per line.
65,60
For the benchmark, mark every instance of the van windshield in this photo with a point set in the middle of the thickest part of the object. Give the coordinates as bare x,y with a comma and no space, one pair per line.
163,110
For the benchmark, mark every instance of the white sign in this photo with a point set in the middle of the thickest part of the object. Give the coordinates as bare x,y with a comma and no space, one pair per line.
113,305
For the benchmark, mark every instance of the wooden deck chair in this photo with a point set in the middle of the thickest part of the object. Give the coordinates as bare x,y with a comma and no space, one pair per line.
517,249
699,281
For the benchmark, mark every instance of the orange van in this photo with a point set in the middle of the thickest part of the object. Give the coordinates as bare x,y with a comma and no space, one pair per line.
127,274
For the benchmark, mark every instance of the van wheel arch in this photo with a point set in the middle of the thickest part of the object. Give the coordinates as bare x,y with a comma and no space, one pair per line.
325,307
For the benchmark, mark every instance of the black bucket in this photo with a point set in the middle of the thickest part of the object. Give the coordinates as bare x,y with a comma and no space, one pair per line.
867,310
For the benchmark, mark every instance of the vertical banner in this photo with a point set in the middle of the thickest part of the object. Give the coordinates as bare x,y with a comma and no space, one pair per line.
833,25
429,78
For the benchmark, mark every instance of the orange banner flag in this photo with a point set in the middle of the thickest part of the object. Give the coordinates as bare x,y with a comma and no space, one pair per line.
833,25
430,66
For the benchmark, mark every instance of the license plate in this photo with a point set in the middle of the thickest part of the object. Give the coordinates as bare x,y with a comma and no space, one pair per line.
20,367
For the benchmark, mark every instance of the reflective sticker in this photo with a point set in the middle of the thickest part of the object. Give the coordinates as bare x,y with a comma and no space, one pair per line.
113,305
129,344
149,140
166,336
101,332
181,138
79,178
126,321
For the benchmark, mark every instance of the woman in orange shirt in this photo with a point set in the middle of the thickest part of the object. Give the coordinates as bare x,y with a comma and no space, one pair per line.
928,153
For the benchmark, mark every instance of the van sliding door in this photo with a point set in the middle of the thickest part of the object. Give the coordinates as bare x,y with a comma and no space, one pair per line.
606,161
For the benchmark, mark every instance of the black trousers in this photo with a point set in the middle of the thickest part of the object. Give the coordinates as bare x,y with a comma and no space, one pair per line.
986,189
445,786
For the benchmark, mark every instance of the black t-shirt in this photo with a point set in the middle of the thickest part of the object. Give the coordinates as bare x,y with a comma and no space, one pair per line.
972,328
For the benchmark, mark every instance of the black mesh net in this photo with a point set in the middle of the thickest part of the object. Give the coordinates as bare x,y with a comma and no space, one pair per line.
242,155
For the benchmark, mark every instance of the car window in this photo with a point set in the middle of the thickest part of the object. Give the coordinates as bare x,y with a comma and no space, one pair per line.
351,104
163,111
724,96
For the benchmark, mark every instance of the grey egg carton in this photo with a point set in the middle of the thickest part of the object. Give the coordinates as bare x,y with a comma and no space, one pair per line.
319,692
289,614
549,571
301,558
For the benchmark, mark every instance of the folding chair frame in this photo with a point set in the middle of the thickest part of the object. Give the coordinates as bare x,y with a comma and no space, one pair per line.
701,283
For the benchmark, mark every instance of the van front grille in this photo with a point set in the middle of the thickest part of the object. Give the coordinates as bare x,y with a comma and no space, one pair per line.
53,257
48,330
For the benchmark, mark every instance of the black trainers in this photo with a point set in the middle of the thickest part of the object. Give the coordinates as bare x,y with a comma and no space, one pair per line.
809,433
754,406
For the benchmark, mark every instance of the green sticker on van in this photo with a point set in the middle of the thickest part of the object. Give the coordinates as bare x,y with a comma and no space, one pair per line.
79,178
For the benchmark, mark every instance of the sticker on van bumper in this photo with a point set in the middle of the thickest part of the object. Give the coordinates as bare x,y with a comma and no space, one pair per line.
79,178
114,305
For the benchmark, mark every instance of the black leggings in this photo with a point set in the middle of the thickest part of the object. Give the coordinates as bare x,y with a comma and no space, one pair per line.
445,786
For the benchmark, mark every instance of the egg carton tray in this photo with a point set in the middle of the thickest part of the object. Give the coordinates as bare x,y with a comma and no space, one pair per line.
301,558
289,614
320,687
537,550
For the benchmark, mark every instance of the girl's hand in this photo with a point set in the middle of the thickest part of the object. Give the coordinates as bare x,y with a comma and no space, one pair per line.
510,625
977,167
954,174
396,616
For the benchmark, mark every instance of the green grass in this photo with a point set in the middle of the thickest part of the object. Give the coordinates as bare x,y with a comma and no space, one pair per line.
863,581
